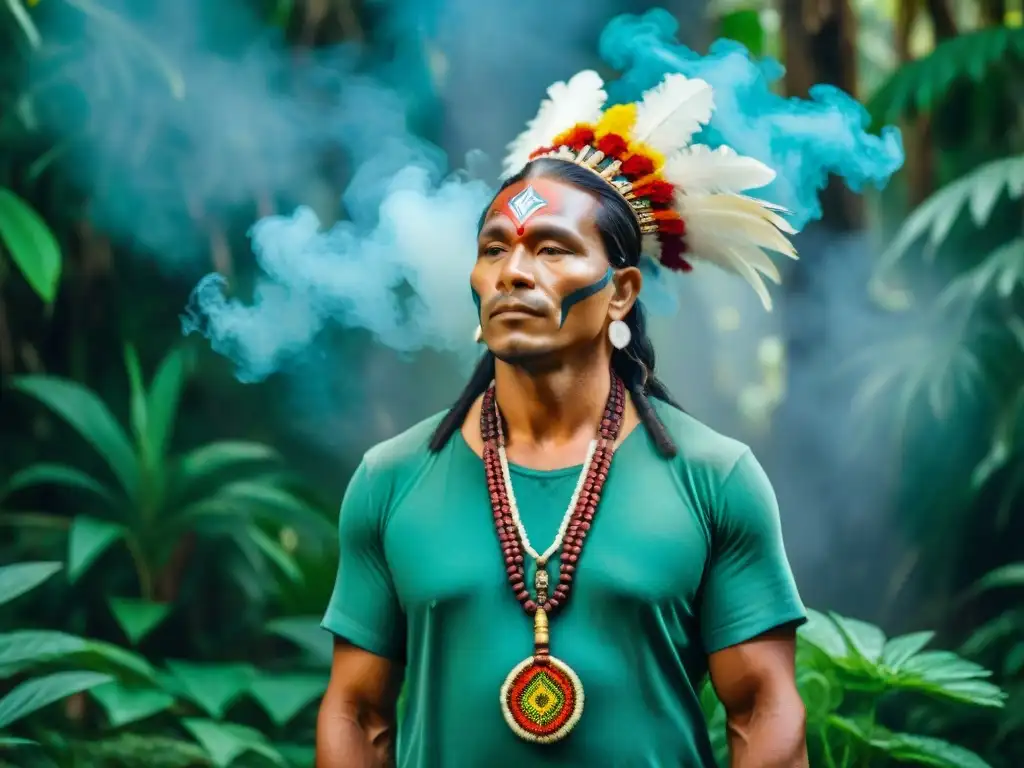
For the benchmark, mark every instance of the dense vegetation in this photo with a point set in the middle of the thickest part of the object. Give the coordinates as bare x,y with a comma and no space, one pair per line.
169,544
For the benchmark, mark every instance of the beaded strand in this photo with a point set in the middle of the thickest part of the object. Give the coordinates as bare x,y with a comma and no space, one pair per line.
579,517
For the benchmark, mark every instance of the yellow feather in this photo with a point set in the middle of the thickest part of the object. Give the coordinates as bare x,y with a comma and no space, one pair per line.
618,120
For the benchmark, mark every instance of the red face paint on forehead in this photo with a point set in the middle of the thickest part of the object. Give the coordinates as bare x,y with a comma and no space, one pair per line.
527,198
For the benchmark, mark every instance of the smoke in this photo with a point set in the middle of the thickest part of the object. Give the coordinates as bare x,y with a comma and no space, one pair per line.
407,227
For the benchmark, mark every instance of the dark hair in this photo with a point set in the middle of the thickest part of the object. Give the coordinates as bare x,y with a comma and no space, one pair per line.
620,234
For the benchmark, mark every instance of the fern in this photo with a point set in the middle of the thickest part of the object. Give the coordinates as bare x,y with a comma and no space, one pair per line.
979,190
920,84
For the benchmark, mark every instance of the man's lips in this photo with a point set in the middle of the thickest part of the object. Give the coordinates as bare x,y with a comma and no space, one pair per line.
521,309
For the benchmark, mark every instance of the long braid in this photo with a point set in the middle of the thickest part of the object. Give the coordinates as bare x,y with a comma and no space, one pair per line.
635,364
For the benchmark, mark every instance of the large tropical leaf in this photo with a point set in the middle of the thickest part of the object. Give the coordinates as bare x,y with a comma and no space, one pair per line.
999,273
212,686
124,704
84,411
88,538
138,617
31,244
162,400
202,466
32,646
919,85
284,696
255,499
56,474
978,191
226,742
17,579
41,691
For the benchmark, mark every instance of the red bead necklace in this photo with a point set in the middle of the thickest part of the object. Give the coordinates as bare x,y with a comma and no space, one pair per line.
542,698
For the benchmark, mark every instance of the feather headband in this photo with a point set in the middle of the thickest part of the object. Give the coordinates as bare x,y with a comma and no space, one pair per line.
688,198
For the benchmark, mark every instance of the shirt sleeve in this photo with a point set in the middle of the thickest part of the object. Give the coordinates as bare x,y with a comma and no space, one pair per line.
364,607
749,587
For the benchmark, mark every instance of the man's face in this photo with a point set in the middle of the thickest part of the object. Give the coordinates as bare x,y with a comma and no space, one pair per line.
542,275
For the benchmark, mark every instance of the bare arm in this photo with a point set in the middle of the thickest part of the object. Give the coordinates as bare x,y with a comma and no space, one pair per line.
756,682
356,724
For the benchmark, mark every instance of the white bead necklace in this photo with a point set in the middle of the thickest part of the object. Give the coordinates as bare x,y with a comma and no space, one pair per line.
506,477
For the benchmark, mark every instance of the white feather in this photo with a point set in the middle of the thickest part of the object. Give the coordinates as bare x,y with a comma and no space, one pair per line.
578,101
698,169
671,112
732,232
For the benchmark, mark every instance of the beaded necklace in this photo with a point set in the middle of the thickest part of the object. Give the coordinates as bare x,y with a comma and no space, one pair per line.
542,697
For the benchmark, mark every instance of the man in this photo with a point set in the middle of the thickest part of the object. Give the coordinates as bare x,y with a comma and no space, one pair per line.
668,562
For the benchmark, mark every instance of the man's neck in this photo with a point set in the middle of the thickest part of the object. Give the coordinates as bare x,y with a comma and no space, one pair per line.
555,406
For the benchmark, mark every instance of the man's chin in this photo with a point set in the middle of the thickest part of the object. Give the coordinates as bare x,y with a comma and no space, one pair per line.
525,352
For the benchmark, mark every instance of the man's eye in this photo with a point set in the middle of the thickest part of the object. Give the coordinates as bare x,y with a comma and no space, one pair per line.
550,250
494,250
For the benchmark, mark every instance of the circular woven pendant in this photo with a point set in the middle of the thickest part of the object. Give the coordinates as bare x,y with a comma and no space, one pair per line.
542,702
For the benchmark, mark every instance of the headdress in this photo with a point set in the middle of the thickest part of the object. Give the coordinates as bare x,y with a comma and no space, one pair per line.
688,198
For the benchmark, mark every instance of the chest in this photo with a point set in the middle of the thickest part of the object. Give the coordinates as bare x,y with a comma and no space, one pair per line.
648,544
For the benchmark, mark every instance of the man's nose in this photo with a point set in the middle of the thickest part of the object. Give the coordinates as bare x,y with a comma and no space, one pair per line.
516,271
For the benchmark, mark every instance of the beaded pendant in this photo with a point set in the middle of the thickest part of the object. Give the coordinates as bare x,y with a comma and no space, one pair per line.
542,697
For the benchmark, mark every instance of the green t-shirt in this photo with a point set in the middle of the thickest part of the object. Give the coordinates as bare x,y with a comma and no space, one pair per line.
685,558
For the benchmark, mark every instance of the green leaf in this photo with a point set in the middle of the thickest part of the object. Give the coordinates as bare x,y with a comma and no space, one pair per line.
32,646
35,694
84,411
920,84
225,742
205,463
213,687
307,634
162,401
248,499
284,696
1010,575
137,410
138,617
56,474
88,538
744,26
900,649
107,657
865,640
925,750
275,553
125,705
12,741
31,244
17,579
978,191
821,632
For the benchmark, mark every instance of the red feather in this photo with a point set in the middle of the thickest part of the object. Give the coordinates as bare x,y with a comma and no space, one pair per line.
612,145
637,165
656,191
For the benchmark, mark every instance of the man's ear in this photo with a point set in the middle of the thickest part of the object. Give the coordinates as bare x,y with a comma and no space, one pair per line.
627,282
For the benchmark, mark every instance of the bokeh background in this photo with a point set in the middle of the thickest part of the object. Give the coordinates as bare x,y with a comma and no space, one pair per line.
168,501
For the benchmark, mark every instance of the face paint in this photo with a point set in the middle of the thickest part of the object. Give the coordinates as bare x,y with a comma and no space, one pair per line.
520,203
583,293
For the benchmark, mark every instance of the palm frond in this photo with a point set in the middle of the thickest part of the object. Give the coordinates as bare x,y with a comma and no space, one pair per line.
1001,273
920,84
978,191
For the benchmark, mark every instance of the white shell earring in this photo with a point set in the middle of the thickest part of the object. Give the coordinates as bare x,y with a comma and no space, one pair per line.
478,335
619,334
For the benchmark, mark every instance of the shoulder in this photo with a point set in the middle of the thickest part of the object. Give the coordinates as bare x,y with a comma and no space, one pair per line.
701,448
391,464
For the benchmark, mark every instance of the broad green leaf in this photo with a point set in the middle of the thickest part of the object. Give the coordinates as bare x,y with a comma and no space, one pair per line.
137,410
248,499
33,646
138,617
84,411
275,553
866,640
125,705
13,741
39,692
284,696
925,750
1011,575
307,634
225,742
203,464
162,400
56,474
107,657
977,191
17,579
899,649
821,632
213,686
88,538
32,246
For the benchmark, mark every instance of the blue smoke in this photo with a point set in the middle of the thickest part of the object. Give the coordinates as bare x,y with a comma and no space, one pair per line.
803,140
411,224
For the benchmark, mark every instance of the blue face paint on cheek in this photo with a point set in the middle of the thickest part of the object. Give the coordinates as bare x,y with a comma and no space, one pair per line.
583,293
